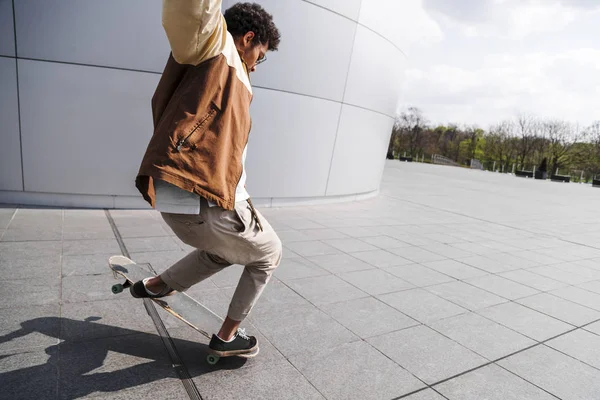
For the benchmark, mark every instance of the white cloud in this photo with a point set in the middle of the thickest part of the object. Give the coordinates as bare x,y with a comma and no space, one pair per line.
508,18
564,85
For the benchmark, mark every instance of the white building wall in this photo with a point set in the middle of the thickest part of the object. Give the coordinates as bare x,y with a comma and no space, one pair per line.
75,103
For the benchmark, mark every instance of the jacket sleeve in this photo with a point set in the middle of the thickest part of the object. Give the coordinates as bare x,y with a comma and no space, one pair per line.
196,29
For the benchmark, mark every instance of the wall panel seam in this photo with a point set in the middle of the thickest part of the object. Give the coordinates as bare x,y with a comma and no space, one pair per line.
18,96
358,23
337,131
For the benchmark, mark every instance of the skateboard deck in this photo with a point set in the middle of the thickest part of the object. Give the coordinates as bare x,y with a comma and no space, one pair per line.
178,304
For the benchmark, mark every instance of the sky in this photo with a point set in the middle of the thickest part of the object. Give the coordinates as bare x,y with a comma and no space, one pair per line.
478,62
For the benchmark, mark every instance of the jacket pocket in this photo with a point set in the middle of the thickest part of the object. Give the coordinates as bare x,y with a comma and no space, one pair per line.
197,129
244,214
239,219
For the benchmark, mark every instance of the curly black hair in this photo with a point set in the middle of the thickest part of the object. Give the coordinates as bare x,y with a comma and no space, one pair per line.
242,18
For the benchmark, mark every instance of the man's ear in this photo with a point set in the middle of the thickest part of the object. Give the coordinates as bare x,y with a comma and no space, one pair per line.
248,37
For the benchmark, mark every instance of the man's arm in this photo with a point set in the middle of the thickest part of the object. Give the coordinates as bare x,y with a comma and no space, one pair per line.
195,28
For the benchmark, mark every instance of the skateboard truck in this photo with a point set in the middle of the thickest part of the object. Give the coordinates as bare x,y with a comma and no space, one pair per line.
119,287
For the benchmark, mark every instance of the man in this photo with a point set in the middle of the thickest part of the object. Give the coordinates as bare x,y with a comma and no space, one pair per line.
193,170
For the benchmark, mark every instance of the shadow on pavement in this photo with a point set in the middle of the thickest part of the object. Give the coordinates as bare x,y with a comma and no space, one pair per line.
116,357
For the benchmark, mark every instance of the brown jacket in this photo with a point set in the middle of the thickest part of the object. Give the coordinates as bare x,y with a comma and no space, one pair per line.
201,107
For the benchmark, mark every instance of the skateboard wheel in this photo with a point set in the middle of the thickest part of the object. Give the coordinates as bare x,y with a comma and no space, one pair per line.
118,288
212,360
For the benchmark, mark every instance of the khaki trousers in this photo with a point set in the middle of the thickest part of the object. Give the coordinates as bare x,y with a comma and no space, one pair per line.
222,238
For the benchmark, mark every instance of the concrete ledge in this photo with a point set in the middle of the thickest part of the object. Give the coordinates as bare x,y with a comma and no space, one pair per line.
136,202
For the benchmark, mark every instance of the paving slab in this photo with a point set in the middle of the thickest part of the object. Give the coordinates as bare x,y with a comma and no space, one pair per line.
298,268
560,275
6,215
485,264
455,269
355,370
312,248
473,247
564,310
594,327
339,263
502,287
532,280
323,234
30,375
30,267
98,319
376,281
90,247
484,337
26,329
289,236
145,228
29,292
86,224
381,258
512,260
326,289
491,383
576,268
465,295
593,263
276,381
557,373
579,296
151,244
581,345
593,286
32,233
34,225
529,322
427,394
448,251
368,316
10,252
427,354
419,275
385,242
93,264
417,254
422,305
350,245
318,330
543,257
358,231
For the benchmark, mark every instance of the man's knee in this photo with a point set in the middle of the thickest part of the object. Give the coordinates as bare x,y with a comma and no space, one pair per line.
278,251
274,252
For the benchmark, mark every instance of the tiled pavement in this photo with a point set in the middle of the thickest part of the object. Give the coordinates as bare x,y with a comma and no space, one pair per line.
452,284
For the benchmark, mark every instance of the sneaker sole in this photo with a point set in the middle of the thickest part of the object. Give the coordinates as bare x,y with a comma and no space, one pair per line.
239,353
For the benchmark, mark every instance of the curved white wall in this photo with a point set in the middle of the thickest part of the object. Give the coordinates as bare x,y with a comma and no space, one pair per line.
76,84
